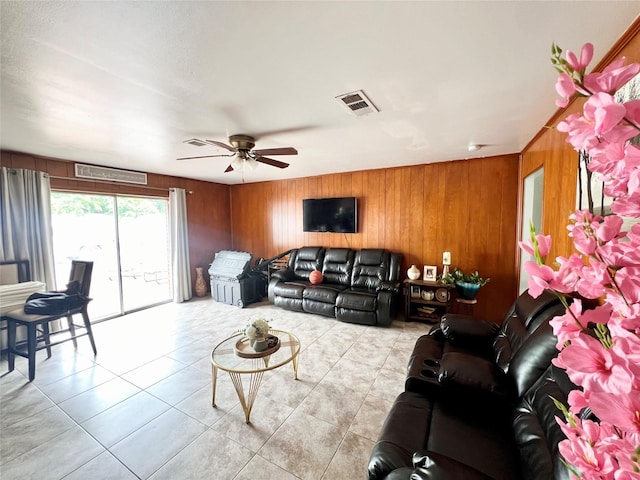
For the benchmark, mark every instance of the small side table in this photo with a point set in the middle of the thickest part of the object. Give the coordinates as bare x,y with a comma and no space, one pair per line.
224,357
465,307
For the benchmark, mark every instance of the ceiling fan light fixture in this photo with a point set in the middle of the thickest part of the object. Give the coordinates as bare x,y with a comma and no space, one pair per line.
251,162
237,162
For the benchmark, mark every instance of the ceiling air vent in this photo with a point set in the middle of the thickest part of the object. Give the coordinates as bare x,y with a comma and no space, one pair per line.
357,103
195,142
110,174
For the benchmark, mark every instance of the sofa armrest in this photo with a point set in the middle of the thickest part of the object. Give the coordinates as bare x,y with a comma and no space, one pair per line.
463,370
433,466
393,287
285,275
466,329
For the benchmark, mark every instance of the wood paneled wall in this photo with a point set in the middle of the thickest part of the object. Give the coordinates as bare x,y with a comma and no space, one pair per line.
549,149
466,207
208,205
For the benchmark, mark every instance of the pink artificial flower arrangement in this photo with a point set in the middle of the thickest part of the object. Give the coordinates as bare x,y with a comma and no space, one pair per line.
599,346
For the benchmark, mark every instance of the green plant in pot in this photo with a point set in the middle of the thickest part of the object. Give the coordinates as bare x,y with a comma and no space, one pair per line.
466,284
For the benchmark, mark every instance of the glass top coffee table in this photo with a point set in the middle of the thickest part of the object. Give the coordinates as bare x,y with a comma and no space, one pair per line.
226,356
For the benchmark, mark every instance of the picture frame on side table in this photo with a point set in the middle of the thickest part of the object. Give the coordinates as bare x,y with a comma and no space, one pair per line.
430,273
415,291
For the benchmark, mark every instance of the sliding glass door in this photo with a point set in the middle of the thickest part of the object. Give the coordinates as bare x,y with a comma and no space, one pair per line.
144,251
125,237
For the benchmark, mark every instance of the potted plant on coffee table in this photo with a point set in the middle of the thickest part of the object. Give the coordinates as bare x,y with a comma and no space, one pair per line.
467,285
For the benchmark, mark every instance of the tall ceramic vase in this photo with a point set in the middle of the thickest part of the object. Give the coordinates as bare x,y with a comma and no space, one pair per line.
201,286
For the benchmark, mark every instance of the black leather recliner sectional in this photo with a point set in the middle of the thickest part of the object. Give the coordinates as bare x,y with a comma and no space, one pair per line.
478,402
359,286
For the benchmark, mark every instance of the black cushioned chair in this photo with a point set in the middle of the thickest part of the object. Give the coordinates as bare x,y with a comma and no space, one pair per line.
38,331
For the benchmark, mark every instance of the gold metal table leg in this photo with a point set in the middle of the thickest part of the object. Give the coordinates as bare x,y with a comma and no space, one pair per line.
294,358
214,377
294,362
254,384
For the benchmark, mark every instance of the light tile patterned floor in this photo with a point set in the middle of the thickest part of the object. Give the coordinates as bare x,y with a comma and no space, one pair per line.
142,407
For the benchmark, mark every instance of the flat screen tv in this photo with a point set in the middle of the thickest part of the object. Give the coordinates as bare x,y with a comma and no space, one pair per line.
339,215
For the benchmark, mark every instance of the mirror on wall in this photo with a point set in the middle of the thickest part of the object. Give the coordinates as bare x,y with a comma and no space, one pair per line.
531,213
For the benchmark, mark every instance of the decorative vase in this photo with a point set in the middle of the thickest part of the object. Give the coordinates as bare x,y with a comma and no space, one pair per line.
260,344
201,286
467,291
413,273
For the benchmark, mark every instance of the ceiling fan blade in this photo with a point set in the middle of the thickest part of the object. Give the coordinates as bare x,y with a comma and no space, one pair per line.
221,145
203,156
277,151
229,169
271,161
281,131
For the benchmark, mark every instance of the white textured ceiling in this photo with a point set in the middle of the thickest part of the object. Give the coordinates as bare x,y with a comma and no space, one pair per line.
122,84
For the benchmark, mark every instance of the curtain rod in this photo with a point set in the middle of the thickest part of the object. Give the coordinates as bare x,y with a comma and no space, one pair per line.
75,179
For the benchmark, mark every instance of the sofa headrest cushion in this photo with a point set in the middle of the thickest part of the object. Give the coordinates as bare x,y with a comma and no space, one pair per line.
370,256
527,307
534,357
338,265
511,337
310,253
307,260
370,269
338,255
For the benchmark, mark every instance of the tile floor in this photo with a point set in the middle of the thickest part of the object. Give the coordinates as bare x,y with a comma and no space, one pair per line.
142,407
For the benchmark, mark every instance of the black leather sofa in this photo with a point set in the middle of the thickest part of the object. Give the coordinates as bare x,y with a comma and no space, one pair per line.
478,402
359,286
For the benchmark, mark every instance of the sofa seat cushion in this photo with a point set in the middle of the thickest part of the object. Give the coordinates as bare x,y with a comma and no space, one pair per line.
326,292
319,308
482,442
357,299
290,289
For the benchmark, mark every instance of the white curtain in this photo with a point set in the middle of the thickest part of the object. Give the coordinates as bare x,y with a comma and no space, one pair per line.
25,222
180,271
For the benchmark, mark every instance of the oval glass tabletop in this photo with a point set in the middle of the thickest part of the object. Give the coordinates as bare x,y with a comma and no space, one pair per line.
225,357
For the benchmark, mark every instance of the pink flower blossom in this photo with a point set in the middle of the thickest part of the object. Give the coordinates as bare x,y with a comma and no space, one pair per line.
568,275
628,280
543,242
604,112
586,54
580,452
580,131
590,365
578,400
583,240
619,254
612,77
593,279
565,88
618,409
539,278
609,228
568,326
633,112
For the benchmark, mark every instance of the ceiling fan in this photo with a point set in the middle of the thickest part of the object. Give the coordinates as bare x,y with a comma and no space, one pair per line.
242,148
